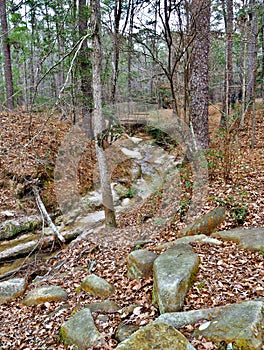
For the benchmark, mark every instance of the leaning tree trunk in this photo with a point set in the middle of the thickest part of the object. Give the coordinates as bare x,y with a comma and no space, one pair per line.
199,91
98,115
7,57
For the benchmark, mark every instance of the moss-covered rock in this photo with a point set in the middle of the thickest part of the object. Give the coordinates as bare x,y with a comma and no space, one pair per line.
80,330
97,286
122,191
240,324
206,224
156,336
173,273
10,229
11,289
124,331
140,263
45,294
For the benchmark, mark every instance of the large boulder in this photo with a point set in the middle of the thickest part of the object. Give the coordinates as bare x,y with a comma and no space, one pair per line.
180,319
189,239
11,289
156,336
241,324
140,263
80,330
45,294
251,238
97,286
206,224
173,273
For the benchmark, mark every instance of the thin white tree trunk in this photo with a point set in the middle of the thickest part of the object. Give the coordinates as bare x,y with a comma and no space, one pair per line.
98,114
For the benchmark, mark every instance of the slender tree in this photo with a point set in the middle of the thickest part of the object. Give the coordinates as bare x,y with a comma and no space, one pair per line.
262,51
98,113
7,57
252,65
199,90
85,70
116,44
252,51
228,95
130,50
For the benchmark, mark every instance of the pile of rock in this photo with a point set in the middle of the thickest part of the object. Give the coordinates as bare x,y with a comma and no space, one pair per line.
240,325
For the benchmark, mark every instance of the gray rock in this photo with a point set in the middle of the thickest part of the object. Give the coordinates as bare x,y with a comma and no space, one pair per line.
11,228
206,224
45,294
124,331
97,286
156,336
240,324
140,263
11,289
189,239
251,239
174,272
105,306
180,319
80,330
18,247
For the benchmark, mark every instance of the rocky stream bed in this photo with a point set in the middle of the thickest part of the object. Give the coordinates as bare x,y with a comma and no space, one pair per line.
167,270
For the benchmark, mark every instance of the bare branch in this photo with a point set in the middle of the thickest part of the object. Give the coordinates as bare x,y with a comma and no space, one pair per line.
44,212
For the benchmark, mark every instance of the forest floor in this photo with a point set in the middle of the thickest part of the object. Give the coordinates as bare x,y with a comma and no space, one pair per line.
28,147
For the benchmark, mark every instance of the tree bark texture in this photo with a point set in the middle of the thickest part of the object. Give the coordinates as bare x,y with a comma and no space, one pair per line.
228,94
252,52
199,86
98,114
85,69
7,57
116,45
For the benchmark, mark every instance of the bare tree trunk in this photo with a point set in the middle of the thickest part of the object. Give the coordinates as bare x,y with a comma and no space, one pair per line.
228,95
252,52
98,115
243,60
32,55
129,58
7,57
199,86
85,71
262,32
116,42
252,67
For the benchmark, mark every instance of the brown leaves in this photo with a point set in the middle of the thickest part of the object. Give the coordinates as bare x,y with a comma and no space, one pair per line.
226,275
